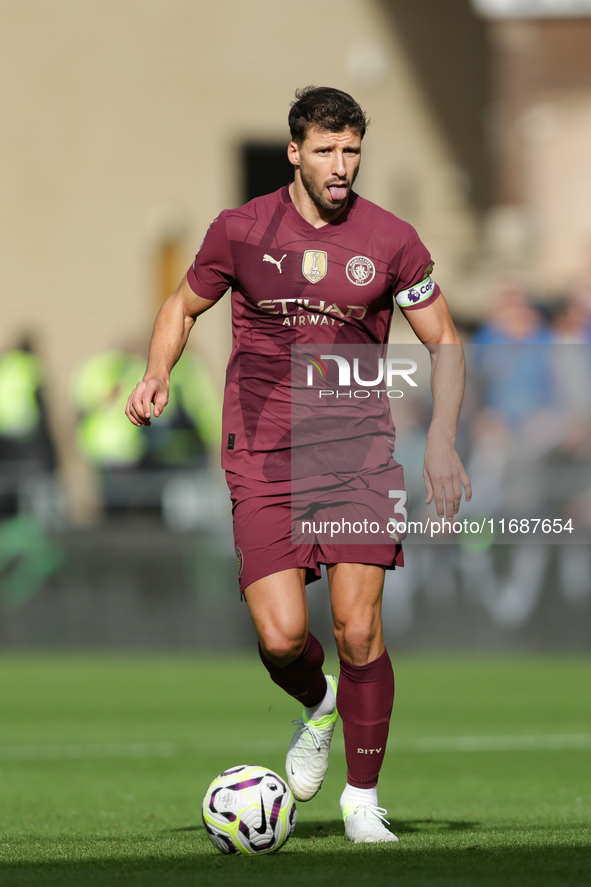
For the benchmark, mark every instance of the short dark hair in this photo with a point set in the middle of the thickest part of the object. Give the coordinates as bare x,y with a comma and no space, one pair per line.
326,108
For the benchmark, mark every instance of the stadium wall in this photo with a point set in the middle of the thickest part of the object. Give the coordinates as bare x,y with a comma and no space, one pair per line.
121,133
138,586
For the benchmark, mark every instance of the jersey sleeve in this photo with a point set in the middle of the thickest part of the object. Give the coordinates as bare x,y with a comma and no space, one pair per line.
212,272
413,286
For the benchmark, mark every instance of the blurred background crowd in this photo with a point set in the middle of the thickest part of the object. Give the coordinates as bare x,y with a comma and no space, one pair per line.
127,127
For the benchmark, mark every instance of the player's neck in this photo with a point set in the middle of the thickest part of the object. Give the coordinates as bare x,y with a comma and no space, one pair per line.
308,210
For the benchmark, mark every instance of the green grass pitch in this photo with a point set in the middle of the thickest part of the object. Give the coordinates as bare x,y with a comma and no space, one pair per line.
104,761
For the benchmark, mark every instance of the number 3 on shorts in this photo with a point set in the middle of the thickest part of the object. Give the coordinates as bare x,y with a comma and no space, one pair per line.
400,496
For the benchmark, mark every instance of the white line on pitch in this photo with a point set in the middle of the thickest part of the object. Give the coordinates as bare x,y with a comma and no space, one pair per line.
430,744
168,749
499,743
78,752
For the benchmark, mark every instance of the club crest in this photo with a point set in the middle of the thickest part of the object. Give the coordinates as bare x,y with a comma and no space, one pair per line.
314,265
360,270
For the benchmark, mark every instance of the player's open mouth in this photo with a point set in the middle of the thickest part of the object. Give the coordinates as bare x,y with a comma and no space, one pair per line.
338,192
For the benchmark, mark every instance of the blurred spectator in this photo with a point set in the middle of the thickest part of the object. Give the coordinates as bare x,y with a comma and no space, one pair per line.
572,370
99,395
571,320
513,319
517,379
27,452
24,432
533,423
135,463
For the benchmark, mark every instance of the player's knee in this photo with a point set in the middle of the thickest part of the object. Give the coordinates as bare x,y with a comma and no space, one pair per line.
355,631
280,648
354,639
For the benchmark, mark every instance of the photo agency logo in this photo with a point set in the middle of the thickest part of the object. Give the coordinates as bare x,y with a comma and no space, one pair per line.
389,371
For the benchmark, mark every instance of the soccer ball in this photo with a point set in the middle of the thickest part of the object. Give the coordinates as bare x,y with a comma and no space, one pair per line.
248,810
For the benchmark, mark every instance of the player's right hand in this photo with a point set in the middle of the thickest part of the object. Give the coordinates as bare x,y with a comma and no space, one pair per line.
139,403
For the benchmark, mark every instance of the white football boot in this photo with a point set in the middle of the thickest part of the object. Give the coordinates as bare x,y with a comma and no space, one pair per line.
364,824
307,756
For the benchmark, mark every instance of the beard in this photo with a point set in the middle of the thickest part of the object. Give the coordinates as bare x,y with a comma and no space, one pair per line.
316,195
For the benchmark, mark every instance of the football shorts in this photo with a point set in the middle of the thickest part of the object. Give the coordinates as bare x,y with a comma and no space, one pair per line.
338,518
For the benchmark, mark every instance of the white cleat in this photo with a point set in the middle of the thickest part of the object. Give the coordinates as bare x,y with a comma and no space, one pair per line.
365,824
307,756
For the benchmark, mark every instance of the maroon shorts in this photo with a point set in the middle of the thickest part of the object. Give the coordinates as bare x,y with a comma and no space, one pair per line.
282,525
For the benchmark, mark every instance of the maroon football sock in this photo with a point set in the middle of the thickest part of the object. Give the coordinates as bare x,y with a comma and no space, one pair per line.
364,700
303,678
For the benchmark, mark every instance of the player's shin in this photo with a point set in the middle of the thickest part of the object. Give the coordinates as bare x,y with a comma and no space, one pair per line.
307,756
366,694
303,678
364,700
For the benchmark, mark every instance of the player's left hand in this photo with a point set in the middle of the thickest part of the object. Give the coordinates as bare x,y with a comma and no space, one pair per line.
444,476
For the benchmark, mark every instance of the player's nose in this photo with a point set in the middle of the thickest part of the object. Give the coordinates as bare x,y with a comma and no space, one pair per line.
338,164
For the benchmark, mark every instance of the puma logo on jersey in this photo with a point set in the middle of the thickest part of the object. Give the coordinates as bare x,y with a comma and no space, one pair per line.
268,258
368,751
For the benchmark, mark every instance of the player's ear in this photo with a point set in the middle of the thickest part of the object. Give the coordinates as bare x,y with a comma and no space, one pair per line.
293,153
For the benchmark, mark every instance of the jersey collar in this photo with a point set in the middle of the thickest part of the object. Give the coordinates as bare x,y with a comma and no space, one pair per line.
328,230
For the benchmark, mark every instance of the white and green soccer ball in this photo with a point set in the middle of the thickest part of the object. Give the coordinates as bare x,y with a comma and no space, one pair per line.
249,810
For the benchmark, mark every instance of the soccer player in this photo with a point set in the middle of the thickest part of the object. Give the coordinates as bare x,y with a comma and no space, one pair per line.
314,263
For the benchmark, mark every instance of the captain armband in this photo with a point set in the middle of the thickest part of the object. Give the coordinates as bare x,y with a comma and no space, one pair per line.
416,294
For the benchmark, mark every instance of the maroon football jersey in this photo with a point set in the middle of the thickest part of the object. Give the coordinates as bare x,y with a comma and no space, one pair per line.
293,284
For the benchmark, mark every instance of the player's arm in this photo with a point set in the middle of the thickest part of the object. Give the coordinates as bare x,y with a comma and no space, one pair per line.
443,470
171,331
